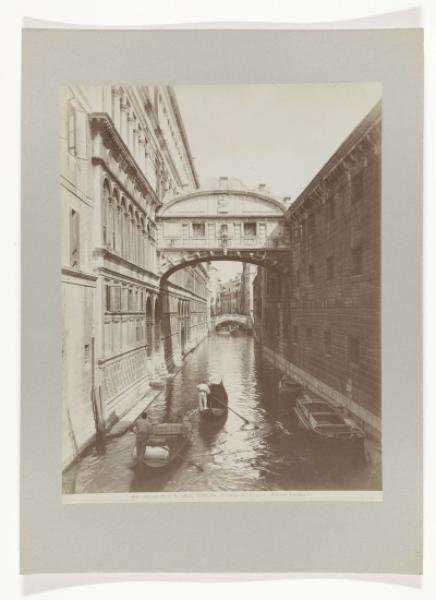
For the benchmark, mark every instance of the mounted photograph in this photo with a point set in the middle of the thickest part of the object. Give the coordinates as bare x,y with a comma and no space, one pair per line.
221,292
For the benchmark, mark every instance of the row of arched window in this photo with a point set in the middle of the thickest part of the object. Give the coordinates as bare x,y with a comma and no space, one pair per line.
125,230
134,135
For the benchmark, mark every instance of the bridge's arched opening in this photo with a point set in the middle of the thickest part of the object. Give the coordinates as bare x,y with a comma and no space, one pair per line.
219,302
278,264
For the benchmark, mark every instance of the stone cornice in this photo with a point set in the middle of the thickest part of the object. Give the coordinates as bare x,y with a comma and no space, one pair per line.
116,258
363,140
175,107
101,122
162,145
78,274
218,192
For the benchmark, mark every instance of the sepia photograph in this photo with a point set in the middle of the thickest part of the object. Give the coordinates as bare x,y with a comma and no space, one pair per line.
221,291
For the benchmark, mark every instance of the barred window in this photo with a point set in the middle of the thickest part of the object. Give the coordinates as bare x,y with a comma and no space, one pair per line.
356,260
327,342
198,230
353,350
311,224
250,229
330,208
311,273
357,186
308,337
330,267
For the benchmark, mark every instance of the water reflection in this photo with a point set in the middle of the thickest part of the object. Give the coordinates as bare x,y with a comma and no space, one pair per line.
271,452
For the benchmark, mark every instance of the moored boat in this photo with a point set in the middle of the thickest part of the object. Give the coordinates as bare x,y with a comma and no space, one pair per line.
167,443
288,388
320,418
212,401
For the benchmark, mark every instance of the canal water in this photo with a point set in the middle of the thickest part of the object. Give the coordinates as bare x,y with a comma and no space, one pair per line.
272,452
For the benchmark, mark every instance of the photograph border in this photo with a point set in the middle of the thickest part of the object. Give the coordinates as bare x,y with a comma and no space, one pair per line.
330,536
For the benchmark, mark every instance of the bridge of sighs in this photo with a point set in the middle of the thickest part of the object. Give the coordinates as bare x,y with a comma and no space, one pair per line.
222,223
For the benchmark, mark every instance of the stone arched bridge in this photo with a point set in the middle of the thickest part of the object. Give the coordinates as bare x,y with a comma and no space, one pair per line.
225,221
243,320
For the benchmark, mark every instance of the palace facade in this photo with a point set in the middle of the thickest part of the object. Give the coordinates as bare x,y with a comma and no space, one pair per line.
123,154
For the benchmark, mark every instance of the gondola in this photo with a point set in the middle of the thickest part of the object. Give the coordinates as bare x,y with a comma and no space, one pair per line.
212,401
167,443
223,332
235,331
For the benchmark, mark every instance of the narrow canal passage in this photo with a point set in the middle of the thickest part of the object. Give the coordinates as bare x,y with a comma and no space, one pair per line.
270,453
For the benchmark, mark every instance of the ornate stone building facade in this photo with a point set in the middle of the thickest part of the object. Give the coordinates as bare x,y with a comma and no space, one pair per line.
322,323
123,153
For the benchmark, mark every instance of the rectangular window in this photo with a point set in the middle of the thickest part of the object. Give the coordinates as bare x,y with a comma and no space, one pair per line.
327,342
74,239
330,267
223,230
130,304
71,130
86,353
330,208
356,260
198,230
250,229
311,273
115,298
308,337
357,186
353,350
124,299
108,297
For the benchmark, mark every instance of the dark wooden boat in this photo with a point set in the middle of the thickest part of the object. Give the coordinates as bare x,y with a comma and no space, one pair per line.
215,406
223,332
166,444
235,331
325,422
288,388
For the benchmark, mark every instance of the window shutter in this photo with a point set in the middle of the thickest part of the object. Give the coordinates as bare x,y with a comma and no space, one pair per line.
81,133
71,129
74,239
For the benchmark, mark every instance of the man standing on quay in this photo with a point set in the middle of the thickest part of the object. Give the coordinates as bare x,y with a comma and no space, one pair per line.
143,431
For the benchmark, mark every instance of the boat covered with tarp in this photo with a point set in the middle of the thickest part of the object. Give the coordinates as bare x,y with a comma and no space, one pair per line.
167,442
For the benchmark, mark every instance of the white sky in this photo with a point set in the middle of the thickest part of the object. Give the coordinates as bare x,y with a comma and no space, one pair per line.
227,269
280,135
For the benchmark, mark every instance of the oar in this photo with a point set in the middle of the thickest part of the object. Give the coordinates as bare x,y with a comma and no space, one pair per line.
231,409
191,462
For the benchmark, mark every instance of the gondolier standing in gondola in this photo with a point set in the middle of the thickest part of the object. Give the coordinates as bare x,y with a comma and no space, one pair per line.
203,396
143,430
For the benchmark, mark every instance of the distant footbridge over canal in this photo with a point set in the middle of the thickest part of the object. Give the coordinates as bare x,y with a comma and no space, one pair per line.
243,321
